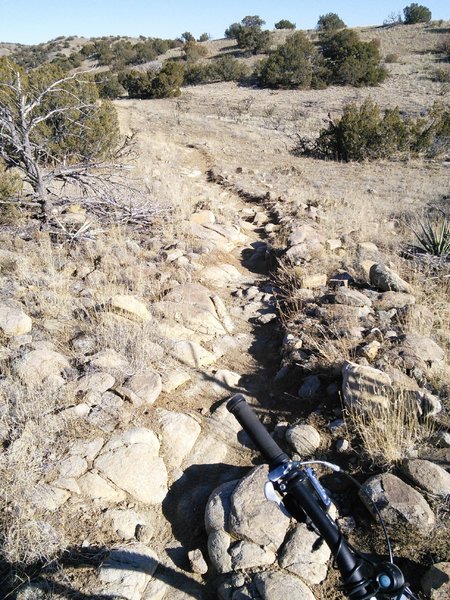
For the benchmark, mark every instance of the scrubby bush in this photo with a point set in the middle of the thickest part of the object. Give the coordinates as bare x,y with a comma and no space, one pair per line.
330,22
109,86
284,24
204,37
351,61
165,83
249,34
194,51
392,57
291,65
364,133
225,68
253,39
416,13
187,37
232,31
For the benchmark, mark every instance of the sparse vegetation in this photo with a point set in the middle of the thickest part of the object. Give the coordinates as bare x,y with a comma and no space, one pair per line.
225,68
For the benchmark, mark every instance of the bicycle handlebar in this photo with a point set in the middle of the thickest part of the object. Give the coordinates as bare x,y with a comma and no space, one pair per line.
256,430
299,499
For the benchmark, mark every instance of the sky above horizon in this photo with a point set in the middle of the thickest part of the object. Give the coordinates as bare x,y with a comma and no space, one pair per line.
37,21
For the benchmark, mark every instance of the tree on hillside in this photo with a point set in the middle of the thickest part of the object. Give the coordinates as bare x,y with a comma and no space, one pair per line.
232,31
330,22
291,65
416,13
187,37
350,61
284,24
250,37
253,21
53,127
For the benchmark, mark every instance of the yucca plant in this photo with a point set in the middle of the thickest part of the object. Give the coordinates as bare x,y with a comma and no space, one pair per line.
434,237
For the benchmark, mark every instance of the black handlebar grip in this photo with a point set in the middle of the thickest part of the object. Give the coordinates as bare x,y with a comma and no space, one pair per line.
256,430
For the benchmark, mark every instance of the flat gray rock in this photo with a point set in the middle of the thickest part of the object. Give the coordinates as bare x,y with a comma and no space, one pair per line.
429,476
276,585
398,502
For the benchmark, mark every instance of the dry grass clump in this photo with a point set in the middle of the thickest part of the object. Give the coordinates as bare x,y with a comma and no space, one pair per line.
391,431
32,437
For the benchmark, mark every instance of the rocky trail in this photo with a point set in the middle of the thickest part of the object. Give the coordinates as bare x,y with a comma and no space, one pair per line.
156,484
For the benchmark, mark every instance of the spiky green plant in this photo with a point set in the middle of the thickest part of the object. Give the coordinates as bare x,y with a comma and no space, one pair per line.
434,237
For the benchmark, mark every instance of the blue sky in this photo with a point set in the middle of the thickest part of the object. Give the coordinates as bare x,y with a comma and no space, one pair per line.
35,21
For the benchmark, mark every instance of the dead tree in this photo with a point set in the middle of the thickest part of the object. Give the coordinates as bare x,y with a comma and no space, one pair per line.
52,127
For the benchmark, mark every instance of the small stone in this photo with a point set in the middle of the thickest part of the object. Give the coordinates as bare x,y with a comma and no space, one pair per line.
309,387
370,351
387,280
145,386
278,585
350,297
314,281
173,379
342,445
13,320
192,354
306,555
304,439
197,562
130,307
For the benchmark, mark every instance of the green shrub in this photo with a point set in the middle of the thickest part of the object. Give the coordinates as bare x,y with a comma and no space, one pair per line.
351,61
204,37
109,86
232,31
168,81
253,40
363,133
291,65
416,13
225,68
187,37
284,24
330,22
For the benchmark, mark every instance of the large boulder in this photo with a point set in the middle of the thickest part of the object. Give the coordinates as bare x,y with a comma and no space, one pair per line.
127,571
398,502
254,518
132,463
306,555
179,434
130,307
38,365
193,307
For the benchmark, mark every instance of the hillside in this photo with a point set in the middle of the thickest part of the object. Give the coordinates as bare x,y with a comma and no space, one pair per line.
252,270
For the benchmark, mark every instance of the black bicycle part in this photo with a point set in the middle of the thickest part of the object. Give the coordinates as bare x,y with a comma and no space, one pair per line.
256,430
356,585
